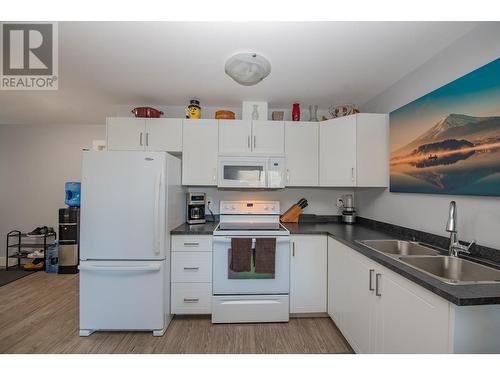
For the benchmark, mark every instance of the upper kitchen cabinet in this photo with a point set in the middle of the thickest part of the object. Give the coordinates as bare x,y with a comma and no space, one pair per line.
199,152
268,137
353,151
144,134
164,134
235,136
246,137
301,151
125,134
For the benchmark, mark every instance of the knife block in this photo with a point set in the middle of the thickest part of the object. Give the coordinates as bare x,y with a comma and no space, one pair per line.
291,215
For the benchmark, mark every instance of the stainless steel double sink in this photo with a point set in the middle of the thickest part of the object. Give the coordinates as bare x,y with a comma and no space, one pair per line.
449,269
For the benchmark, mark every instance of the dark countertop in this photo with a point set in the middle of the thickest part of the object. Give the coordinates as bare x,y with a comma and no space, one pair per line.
462,295
207,228
472,294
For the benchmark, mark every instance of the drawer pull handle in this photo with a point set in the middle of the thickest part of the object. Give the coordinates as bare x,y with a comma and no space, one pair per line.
192,268
191,300
191,244
378,276
370,282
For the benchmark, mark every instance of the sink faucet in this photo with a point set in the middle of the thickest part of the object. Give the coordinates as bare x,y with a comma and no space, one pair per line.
451,226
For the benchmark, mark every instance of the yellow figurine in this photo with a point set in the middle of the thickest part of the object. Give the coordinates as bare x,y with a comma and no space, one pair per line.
193,110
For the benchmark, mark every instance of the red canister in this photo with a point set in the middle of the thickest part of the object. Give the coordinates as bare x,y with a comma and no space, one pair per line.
295,112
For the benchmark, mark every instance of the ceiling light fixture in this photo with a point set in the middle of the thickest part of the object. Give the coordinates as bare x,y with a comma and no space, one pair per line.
247,69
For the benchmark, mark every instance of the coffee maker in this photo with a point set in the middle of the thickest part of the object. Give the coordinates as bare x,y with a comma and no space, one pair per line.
348,212
195,208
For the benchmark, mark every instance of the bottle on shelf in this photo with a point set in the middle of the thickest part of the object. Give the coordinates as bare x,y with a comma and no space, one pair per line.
295,112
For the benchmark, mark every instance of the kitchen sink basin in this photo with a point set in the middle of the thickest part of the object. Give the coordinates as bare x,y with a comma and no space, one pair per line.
398,248
453,270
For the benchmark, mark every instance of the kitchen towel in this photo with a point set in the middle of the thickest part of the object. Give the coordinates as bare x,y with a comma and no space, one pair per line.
265,255
241,254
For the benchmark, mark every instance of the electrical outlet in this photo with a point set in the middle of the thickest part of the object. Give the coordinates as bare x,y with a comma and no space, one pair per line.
209,200
340,203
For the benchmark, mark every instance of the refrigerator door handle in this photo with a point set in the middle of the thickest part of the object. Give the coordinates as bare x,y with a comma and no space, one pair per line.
156,213
119,268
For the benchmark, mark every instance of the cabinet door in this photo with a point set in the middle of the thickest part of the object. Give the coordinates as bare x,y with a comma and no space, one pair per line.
268,137
357,311
372,146
302,153
235,136
409,319
337,296
308,274
164,134
125,133
199,152
337,152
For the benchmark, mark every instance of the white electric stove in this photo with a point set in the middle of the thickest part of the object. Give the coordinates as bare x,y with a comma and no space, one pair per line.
250,297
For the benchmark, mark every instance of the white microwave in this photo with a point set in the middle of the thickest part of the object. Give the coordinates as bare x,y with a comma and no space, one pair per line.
251,172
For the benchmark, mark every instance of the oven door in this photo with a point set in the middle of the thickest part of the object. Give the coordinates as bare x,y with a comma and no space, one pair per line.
223,284
242,172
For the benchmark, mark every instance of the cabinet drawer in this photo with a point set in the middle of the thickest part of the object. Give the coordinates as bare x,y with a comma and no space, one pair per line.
191,243
191,298
192,267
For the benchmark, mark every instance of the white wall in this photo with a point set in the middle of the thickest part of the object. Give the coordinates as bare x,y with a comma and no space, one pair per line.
322,201
478,217
35,162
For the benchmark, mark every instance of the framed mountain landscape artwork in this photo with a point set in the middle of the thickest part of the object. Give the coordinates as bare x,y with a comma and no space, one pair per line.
448,141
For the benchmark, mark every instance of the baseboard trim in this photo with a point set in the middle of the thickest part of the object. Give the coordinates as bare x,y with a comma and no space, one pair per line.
12,262
310,315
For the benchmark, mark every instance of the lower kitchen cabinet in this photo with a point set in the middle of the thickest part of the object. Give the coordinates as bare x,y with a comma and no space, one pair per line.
308,274
379,311
192,267
350,301
409,318
191,298
191,280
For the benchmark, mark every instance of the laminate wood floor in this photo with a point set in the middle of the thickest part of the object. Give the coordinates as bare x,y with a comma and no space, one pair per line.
39,314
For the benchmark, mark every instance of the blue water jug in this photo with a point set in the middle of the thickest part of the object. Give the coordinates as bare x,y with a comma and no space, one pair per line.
72,194
52,258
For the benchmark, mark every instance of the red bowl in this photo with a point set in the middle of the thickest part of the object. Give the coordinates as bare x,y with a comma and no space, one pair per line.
146,112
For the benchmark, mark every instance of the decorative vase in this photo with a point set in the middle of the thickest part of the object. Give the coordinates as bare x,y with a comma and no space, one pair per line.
296,112
313,113
255,112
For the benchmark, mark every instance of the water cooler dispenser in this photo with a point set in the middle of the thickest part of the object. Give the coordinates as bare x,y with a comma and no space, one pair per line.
69,230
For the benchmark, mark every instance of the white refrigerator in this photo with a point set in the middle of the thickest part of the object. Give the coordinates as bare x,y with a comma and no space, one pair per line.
130,200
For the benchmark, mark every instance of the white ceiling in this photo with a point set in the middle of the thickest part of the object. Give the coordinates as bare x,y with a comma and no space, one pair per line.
106,64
